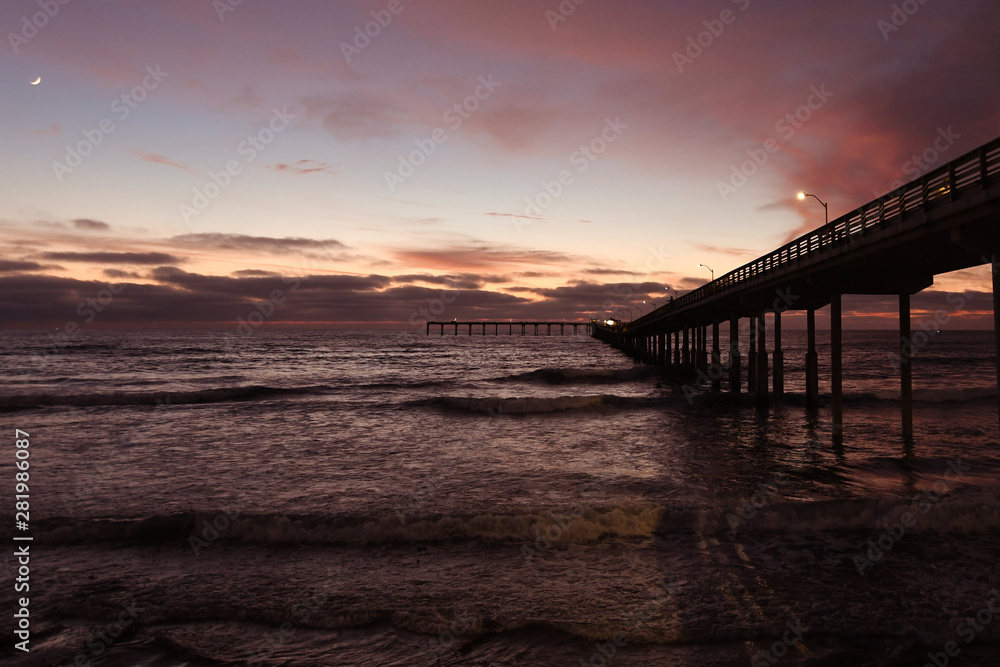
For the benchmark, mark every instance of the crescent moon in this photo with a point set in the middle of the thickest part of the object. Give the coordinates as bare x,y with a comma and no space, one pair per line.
37,81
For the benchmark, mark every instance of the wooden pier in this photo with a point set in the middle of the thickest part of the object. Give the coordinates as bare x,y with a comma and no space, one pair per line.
946,220
510,325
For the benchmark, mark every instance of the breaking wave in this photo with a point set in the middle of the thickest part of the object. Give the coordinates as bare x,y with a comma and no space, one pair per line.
216,395
583,375
965,511
533,404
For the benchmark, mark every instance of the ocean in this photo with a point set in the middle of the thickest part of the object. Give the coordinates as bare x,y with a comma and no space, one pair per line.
392,498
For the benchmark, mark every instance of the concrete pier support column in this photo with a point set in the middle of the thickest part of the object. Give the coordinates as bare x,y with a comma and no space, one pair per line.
761,379
778,358
705,356
812,362
996,319
734,354
837,364
686,353
716,373
677,349
696,347
905,366
663,349
752,358
667,355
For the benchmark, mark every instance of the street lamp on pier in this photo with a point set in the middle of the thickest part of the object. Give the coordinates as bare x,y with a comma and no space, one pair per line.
826,209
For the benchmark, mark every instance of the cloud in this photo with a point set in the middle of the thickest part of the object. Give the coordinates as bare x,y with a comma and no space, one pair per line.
462,281
515,215
256,243
183,299
608,272
160,159
254,273
481,256
89,225
358,115
114,257
13,266
745,253
52,131
118,273
305,167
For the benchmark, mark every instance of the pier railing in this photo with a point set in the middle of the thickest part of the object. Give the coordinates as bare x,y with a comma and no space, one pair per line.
974,169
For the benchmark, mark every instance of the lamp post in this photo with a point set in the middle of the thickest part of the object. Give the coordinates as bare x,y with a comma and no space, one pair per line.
706,266
826,209
652,303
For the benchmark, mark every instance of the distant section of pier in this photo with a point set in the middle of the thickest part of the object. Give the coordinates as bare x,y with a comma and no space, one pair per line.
513,328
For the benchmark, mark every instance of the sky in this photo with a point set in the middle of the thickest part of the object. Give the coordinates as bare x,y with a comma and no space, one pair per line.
199,163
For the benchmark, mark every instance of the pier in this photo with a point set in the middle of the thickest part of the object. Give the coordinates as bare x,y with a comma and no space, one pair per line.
946,220
510,326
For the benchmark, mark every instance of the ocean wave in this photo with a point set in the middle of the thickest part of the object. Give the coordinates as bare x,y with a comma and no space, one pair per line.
940,394
396,527
583,375
192,396
967,511
533,404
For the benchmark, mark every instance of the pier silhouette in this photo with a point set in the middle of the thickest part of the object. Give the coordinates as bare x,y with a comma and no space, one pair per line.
946,220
